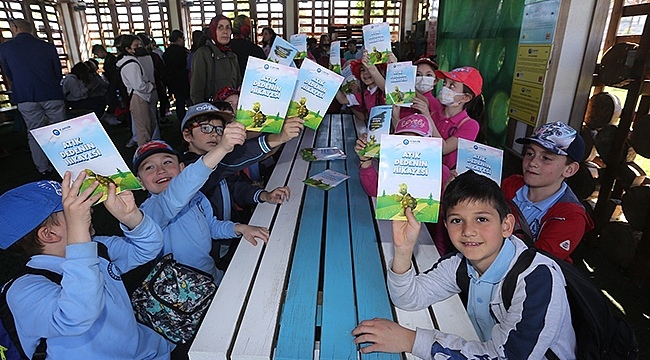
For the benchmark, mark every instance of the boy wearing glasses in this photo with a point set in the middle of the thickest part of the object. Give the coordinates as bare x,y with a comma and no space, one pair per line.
228,191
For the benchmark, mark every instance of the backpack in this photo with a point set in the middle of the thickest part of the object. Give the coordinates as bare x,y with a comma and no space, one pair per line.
599,334
10,347
123,95
9,343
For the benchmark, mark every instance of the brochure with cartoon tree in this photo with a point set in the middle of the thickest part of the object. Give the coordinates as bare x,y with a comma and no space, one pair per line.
335,56
376,39
400,83
299,41
480,158
349,79
265,95
315,90
326,179
378,125
282,52
410,172
322,154
82,144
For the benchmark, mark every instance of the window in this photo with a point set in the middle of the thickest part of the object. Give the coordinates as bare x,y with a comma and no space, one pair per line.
314,17
106,19
270,13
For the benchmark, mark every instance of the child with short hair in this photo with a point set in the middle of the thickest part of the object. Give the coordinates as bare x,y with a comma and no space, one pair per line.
89,314
202,130
553,213
480,226
185,214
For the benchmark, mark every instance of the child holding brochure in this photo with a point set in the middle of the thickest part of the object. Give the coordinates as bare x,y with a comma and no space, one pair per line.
480,224
371,94
185,214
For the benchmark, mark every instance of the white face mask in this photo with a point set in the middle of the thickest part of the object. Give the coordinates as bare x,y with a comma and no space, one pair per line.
446,96
424,84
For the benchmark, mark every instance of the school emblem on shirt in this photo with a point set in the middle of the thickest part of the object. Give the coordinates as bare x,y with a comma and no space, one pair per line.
114,271
566,245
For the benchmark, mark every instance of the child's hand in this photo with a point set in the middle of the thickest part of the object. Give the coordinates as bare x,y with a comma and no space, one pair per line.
392,58
421,106
405,236
384,335
250,233
291,128
233,134
122,206
365,58
360,145
354,87
277,196
77,207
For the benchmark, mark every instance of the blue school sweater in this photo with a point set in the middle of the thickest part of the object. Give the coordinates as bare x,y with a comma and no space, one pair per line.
88,316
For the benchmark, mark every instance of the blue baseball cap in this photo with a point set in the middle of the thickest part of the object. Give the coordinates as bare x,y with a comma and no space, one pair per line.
24,208
147,149
558,138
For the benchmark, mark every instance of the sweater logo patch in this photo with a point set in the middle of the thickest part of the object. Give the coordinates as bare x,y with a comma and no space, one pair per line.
566,245
114,271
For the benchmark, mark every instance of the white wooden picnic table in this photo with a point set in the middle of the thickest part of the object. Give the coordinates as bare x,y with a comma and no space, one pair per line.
322,271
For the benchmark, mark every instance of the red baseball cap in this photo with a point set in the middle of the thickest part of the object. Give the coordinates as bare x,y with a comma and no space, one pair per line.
466,75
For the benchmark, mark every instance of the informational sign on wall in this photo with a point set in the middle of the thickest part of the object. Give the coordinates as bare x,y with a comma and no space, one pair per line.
534,52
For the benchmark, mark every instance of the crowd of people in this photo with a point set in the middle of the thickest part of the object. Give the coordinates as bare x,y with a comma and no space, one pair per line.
194,208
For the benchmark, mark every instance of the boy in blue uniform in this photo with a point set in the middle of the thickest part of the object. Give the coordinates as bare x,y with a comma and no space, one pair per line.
202,129
182,211
480,227
89,315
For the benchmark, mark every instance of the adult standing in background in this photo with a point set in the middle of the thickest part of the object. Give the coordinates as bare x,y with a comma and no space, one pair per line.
241,43
176,71
137,71
214,66
268,37
33,69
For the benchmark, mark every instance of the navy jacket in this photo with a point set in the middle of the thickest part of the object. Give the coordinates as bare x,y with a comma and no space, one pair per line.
33,67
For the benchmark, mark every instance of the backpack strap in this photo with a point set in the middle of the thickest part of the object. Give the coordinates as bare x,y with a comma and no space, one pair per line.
523,232
510,282
7,317
462,280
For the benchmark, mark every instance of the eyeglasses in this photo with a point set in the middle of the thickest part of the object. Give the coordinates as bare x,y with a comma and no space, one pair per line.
209,128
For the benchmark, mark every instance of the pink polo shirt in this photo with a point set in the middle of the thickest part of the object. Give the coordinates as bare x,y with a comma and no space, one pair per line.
455,126
371,100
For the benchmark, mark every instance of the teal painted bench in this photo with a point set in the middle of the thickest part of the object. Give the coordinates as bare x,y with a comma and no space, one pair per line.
322,272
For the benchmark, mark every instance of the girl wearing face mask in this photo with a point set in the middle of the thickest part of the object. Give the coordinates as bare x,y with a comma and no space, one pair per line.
448,117
214,65
137,72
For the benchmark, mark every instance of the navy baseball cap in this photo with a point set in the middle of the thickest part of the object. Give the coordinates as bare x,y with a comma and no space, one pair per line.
147,149
202,109
558,138
24,208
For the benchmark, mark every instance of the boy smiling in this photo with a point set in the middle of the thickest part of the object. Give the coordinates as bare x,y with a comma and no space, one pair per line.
480,227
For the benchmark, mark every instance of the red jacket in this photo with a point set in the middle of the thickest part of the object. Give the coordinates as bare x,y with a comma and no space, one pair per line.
565,221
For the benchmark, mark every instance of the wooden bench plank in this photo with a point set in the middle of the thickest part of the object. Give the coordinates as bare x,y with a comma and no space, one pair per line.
370,283
216,334
258,325
339,313
298,319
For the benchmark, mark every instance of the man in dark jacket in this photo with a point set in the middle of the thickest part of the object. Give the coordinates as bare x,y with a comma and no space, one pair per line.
176,74
241,42
33,69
